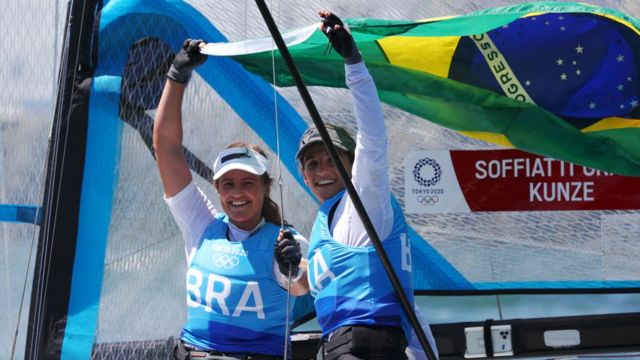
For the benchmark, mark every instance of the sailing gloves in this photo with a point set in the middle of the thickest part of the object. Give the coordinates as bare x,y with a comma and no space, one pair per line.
340,37
288,254
187,59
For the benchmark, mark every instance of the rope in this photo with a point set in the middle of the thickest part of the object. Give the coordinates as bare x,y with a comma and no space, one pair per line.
275,111
280,187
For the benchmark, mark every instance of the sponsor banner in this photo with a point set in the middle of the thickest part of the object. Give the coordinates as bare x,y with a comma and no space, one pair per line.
510,180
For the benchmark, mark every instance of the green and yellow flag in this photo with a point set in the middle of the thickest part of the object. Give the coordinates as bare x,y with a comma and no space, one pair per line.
555,79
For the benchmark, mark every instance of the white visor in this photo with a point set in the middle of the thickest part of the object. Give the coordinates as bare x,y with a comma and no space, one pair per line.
239,158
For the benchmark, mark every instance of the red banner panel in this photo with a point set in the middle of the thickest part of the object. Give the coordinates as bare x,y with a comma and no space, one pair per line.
511,180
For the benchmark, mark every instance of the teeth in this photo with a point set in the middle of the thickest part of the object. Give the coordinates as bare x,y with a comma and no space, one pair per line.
238,203
325,182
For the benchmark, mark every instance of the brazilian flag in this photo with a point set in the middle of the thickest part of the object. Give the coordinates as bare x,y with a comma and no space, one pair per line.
555,79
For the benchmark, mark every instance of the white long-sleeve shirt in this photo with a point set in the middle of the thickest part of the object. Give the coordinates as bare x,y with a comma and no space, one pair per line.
369,172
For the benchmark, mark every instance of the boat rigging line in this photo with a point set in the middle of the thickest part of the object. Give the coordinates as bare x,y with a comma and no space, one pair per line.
287,331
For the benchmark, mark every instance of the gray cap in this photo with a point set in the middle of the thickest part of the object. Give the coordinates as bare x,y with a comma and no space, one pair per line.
339,137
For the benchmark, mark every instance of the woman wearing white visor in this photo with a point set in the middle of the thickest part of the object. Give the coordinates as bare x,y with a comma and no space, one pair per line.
238,260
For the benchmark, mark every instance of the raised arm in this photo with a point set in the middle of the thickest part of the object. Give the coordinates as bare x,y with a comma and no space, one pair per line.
167,126
370,167
369,172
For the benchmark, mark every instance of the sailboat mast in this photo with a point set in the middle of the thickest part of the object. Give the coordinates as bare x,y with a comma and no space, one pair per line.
61,201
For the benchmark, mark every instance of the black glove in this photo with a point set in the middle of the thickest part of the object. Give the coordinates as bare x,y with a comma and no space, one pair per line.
187,59
340,38
288,254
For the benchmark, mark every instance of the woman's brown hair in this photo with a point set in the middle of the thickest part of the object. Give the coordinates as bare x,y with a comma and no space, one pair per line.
270,210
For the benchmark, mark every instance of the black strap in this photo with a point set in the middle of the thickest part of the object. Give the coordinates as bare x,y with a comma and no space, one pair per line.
331,213
338,344
366,342
184,352
488,340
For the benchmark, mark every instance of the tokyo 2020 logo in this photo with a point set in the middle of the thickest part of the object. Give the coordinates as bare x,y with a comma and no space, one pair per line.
417,172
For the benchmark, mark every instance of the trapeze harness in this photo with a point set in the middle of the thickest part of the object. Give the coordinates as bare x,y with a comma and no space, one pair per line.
355,302
235,304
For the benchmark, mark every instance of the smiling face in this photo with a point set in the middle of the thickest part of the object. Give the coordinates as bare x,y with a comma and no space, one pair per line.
241,197
321,174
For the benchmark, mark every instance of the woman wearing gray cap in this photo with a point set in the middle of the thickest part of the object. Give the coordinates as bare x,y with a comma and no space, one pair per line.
360,315
238,260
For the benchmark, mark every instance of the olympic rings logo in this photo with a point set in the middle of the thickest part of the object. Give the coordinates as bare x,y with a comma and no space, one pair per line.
225,261
437,170
425,200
